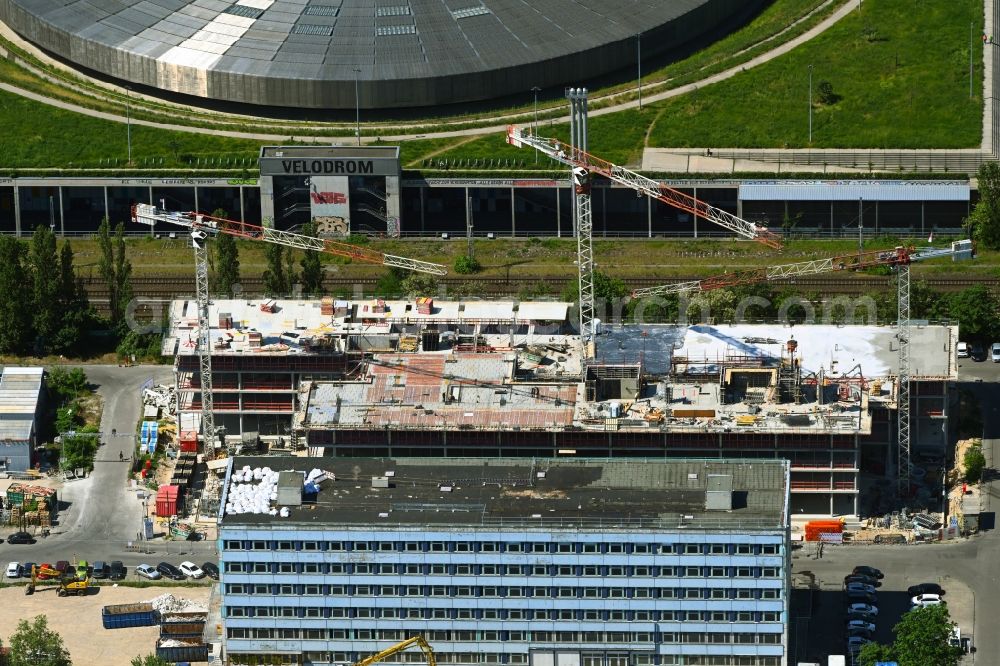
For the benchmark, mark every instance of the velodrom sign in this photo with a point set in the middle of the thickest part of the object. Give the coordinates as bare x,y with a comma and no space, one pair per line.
329,161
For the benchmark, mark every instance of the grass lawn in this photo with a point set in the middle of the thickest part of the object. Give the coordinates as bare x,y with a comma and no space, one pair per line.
899,70
549,257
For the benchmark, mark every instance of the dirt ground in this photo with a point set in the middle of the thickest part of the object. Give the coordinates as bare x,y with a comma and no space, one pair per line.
78,620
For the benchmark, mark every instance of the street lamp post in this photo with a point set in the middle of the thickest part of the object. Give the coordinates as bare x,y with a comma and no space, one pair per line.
810,104
534,124
128,122
638,65
357,106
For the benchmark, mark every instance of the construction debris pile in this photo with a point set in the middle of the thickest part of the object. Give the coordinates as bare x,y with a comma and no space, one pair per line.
168,603
253,491
160,396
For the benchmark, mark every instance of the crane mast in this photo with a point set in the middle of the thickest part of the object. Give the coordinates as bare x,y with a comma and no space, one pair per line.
203,226
580,158
582,211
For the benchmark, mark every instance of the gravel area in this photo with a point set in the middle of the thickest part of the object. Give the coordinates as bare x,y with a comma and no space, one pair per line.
78,620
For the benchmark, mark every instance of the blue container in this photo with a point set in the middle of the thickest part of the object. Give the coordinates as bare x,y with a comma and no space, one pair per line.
124,616
194,651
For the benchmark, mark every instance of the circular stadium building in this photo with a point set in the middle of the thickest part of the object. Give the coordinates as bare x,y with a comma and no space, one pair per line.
390,53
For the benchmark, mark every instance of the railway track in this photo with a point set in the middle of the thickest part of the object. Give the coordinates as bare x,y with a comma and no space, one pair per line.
181,287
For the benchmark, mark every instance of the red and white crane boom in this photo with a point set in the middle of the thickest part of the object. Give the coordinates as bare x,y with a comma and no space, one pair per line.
849,262
150,215
573,157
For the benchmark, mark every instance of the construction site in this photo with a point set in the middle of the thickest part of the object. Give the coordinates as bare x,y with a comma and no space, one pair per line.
510,379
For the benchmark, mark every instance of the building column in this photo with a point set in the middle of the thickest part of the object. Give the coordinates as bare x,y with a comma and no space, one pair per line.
831,217
243,217
649,217
558,213
17,210
62,217
923,205
695,217
513,224
196,208
423,192
107,209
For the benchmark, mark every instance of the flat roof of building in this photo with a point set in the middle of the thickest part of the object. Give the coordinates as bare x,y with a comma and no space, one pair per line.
20,391
578,494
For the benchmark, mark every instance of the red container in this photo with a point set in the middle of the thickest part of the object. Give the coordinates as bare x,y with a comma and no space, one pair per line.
166,501
189,441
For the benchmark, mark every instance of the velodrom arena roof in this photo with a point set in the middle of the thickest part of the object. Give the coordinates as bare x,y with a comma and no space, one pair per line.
309,53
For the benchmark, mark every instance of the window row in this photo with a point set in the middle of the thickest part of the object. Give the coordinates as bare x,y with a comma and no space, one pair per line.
575,571
515,614
478,591
505,547
725,638
630,659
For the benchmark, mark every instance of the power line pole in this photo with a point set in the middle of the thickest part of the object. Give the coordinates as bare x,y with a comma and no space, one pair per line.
468,228
972,32
638,52
810,104
534,124
128,122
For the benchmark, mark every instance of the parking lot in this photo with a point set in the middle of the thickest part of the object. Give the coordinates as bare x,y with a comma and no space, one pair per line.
78,620
818,600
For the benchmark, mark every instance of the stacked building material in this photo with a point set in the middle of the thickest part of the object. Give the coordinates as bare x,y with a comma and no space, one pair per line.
425,305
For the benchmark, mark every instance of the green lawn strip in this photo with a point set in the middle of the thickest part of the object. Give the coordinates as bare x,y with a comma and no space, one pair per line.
899,69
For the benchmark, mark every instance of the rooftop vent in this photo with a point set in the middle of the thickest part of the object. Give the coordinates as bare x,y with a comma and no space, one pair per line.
290,488
380,482
719,494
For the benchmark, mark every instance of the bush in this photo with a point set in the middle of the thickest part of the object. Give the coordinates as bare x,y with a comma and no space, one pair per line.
975,463
466,265
65,385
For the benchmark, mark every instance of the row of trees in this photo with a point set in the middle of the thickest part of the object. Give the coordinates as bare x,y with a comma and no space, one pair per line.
33,643
280,274
923,638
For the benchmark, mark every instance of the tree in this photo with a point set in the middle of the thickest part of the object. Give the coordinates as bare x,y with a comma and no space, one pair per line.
275,281
227,263
419,284
34,644
106,260
984,222
123,280
150,660
15,306
467,265
74,307
65,385
826,94
390,283
311,276
974,462
975,308
922,638
45,276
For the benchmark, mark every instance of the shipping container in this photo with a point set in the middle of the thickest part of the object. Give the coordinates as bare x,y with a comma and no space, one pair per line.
166,501
172,649
129,615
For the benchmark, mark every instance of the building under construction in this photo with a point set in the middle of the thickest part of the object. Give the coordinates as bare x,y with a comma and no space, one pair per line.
380,378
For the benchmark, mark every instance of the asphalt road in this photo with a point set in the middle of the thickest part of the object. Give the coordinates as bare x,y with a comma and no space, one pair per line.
98,514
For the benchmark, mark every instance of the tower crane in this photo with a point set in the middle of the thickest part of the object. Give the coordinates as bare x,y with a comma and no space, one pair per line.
580,159
203,226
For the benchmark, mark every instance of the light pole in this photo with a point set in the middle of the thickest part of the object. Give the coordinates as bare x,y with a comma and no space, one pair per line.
638,65
357,106
534,124
810,104
128,122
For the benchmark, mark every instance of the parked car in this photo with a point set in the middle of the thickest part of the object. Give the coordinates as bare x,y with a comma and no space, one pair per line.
995,352
925,588
859,588
170,571
860,624
868,571
101,569
61,566
856,615
922,600
26,569
14,570
82,569
867,609
855,643
147,571
978,352
210,570
191,570
45,566
116,570
20,537
962,350
858,578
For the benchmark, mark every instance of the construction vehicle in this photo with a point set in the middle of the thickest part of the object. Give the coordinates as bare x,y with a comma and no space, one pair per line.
399,647
202,227
66,583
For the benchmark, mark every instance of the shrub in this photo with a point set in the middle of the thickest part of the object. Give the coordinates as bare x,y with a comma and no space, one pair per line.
466,265
975,463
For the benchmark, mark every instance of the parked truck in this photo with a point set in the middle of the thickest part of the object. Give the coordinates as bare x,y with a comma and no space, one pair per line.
177,649
122,616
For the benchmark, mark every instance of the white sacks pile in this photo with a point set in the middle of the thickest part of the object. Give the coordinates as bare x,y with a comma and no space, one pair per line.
253,491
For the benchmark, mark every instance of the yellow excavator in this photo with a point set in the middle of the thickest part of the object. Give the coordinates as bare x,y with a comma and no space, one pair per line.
68,583
399,647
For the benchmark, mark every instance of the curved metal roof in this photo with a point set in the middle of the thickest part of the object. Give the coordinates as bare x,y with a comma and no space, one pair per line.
214,48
